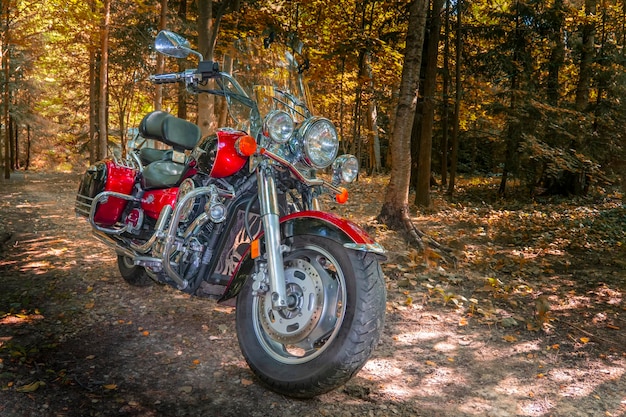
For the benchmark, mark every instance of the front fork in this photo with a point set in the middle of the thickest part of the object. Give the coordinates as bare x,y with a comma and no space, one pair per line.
270,215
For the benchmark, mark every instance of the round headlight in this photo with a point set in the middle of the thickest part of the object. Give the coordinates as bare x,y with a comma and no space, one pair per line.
185,187
320,142
279,126
345,168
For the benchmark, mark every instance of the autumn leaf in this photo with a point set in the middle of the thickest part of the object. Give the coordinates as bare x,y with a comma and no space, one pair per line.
584,340
31,387
510,338
110,387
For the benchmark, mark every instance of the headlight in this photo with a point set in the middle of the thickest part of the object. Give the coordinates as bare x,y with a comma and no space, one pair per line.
279,126
185,187
345,169
319,141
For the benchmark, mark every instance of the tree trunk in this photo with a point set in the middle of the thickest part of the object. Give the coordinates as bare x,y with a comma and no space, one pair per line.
445,119
93,96
182,91
586,57
557,55
374,140
6,92
160,60
395,209
356,111
513,135
222,113
103,91
208,28
13,146
602,85
457,103
422,190
205,101
27,165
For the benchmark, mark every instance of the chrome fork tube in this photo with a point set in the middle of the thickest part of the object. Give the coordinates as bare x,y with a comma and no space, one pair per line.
268,201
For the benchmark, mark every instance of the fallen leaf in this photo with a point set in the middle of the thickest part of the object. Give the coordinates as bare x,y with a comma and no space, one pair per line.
430,363
246,382
510,338
196,361
31,387
532,327
89,306
110,386
584,339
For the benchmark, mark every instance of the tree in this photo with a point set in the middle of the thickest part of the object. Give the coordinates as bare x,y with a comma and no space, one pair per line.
103,112
160,67
6,92
588,30
395,209
422,189
208,27
457,102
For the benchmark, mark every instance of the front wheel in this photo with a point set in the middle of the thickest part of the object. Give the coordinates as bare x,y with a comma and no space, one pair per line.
133,274
329,329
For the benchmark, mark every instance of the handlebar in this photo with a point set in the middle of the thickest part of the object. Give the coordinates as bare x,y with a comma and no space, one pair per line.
205,70
166,78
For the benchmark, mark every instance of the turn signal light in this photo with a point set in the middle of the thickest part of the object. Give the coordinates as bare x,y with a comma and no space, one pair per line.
343,197
255,248
246,145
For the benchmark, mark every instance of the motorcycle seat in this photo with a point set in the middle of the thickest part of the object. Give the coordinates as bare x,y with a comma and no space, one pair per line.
171,130
149,155
162,174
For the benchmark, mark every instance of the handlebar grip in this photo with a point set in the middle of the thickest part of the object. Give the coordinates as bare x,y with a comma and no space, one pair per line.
165,78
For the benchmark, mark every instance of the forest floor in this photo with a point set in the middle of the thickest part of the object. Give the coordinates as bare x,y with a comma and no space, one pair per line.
531,321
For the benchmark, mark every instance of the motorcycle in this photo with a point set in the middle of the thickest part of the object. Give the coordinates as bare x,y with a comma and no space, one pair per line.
236,216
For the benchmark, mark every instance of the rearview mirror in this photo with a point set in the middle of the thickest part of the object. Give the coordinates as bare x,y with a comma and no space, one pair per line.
172,44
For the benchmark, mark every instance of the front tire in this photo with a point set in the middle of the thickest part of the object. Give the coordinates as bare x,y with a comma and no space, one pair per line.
333,322
133,274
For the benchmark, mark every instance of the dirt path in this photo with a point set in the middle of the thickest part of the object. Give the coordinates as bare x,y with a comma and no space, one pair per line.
76,341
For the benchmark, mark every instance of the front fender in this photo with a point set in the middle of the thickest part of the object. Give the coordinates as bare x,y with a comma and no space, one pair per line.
317,223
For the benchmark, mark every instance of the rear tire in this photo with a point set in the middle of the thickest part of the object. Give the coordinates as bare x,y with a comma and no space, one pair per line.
133,274
334,322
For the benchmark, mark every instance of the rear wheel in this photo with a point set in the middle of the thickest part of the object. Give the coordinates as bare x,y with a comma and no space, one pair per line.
330,327
133,274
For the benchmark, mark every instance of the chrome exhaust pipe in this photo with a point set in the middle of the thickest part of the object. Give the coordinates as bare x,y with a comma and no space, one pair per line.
136,258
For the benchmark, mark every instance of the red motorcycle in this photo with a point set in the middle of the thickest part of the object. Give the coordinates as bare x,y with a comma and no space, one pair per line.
237,214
